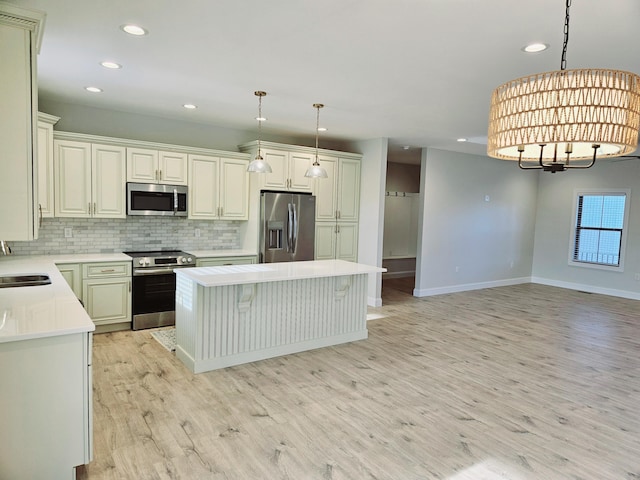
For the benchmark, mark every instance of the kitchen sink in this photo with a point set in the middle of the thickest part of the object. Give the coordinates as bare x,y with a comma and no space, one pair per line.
7,281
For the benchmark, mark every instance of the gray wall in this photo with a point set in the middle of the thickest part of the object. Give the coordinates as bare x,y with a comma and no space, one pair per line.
372,181
489,243
111,123
402,177
555,222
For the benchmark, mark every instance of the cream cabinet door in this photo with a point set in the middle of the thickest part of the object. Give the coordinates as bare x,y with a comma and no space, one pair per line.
299,163
278,179
325,241
72,175
107,300
45,169
325,191
347,242
348,193
203,187
172,168
18,95
108,184
234,189
142,165
73,276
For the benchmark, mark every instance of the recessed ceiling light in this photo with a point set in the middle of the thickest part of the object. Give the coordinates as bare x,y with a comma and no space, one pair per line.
134,30
322,129
461,140
111,65
93,89
535,47
190,106
261,119
406,147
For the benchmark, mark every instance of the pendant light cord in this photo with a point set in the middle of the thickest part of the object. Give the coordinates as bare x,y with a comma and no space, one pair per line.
563,61
259,122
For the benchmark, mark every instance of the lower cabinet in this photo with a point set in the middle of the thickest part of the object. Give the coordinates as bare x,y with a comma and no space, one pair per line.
106,292
46,400
218,261
336,241
72,273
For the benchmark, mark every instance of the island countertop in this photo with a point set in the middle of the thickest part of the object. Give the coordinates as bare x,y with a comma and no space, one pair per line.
273,272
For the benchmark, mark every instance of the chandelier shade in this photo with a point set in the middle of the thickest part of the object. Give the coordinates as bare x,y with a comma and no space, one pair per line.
570,112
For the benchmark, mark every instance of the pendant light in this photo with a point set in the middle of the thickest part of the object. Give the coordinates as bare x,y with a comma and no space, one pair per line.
550,120
315,170
258,164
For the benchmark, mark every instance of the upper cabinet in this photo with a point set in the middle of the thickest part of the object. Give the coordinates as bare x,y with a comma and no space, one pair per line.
89,180
45,164
287,167
156,166
339,194
20,33
218,187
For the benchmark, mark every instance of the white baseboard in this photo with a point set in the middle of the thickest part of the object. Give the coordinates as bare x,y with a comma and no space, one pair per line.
427,292
587,288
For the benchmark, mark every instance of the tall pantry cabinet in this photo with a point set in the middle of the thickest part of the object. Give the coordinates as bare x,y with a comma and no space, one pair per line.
20,34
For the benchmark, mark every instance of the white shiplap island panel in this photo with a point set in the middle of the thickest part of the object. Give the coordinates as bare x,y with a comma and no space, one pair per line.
236,314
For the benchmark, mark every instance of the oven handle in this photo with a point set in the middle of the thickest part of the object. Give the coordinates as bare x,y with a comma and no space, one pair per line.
156,271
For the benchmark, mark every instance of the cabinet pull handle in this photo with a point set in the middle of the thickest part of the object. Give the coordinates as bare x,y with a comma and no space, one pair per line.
95,208
221,211
40,212
160,175
89,209
108,270
129,286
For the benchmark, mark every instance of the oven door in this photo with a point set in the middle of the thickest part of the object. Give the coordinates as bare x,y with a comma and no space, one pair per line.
153,299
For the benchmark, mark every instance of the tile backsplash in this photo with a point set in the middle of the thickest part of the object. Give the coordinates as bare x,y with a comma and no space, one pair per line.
89,235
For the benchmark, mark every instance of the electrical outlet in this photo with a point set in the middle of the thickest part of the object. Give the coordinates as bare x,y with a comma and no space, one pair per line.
511,264
68,232
637,277
197,233
487,198
457,269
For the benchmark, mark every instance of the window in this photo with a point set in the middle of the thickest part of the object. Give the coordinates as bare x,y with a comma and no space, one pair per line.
599,236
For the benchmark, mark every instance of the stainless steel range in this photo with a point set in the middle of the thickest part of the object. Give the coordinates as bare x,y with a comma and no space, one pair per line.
153,296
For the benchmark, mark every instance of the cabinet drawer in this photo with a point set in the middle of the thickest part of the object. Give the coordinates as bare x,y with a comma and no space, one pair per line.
106,269
217,261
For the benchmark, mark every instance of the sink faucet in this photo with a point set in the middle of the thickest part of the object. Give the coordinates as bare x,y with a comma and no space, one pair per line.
4,246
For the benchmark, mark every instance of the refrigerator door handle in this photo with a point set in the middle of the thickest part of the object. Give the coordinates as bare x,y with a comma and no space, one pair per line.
290,227
295,229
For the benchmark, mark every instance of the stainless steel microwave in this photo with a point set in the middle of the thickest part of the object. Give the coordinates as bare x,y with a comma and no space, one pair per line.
153,199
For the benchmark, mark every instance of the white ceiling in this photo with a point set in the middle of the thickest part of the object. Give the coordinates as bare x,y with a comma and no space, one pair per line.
419,72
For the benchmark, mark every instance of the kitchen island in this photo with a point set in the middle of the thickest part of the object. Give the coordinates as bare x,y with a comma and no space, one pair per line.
230,315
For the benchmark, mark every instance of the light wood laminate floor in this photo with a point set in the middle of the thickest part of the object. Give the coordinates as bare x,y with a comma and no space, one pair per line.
520,382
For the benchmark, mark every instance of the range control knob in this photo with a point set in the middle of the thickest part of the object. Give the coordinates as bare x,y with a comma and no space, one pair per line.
141,262
189,260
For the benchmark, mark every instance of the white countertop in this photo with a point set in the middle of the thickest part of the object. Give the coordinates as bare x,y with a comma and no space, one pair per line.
273,272
39,311
49,310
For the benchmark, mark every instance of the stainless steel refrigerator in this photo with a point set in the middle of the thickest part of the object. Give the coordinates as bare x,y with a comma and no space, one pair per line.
287,226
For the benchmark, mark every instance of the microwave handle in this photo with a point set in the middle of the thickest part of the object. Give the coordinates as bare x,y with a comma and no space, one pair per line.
175,201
